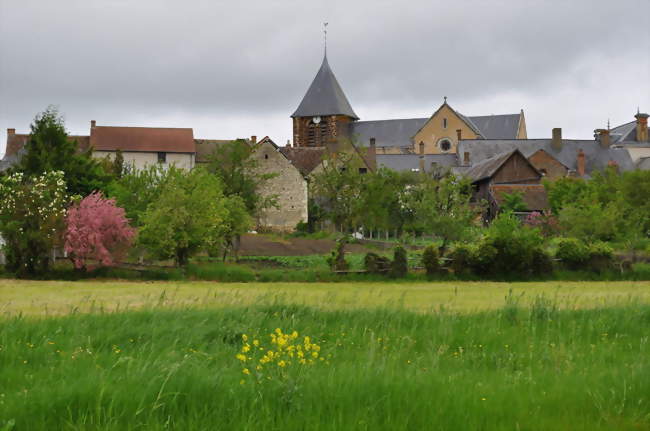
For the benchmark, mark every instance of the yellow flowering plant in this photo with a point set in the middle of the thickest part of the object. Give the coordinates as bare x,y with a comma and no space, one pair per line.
283,352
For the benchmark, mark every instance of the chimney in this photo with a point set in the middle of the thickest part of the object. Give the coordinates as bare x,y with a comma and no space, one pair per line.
580,165
372,155
466,158
93,123
254,139
641,127
289,143
602,136
556,140
11,132
459,134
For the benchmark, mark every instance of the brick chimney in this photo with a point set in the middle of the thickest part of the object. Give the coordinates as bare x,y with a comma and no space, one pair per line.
641,127
556,140
11,132
580,163
422,157
372,154
466,158
93,123
254,139
602,136
288,143
459,134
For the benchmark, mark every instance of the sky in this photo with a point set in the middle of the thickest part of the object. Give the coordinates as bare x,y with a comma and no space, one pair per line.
235,69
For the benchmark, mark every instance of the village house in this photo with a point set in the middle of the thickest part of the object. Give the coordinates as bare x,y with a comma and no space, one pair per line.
145,146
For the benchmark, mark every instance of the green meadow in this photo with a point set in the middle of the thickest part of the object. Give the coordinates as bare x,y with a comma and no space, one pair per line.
373,356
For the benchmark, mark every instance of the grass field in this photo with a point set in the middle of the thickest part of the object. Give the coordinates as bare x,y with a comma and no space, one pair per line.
453,356
38,298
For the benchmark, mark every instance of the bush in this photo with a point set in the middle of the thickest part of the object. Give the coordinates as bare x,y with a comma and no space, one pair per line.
430,260
462,258
507,249
375,264
573,253
601,256
399,266
336,260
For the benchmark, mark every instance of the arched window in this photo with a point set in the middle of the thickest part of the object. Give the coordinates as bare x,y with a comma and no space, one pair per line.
444,144
444,123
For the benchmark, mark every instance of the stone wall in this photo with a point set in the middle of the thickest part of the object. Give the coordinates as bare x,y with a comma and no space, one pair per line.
288,185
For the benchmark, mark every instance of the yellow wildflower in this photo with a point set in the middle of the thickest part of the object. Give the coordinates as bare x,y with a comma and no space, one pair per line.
245,371
256,343
241,357
282,364
246,348
244,337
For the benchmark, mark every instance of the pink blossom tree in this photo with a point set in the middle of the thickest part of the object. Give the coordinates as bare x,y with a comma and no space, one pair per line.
97,230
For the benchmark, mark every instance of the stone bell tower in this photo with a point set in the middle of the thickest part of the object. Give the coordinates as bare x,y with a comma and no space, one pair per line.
324,114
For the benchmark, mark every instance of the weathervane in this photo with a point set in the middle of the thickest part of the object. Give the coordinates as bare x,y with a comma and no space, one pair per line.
325,36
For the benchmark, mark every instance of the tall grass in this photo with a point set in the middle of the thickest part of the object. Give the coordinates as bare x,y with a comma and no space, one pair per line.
538,368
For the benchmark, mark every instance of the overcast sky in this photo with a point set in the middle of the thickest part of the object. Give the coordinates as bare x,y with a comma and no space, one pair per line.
230,70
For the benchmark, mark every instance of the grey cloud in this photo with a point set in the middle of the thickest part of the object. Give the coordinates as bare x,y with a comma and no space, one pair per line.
226,68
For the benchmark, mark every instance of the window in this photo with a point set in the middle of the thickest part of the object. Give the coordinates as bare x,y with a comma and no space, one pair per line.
266,156
162,157
444,123
363,170
444,144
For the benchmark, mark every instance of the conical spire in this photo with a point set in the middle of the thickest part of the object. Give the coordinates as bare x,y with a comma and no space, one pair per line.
324,96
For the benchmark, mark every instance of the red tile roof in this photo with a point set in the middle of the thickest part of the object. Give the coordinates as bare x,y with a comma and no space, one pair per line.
16,141
306,159
142,139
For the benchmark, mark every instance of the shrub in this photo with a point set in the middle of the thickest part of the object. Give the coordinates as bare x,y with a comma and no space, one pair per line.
430,260
462,258
601,256
399,267
375,264
573,252
336,260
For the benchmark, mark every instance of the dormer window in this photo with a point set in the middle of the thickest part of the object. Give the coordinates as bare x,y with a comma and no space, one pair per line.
444,123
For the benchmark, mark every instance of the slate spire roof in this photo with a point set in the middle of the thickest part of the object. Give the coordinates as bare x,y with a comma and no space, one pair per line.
324,96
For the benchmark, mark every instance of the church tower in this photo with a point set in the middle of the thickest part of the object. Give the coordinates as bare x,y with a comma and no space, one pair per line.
324,114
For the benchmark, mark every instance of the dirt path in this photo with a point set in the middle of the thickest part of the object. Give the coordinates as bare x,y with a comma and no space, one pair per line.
263,245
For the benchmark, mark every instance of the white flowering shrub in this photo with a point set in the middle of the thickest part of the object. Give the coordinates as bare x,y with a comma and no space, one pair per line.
32,211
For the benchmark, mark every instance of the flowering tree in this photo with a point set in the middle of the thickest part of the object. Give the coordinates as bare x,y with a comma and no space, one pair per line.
32,210
97,230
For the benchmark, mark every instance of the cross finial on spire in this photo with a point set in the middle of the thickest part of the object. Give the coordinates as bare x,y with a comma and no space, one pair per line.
445,97
608,124
325,36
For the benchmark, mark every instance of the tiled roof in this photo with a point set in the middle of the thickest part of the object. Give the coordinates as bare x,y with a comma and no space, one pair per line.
145,139
410,162
324,96
305,159
488,167
533,195
398,133
596,157
205,148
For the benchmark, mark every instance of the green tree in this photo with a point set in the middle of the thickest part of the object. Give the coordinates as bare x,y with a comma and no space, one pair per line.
238,169
237,223
137,189
50,149
338,188
188,215
513,202
32,211
442,208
